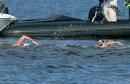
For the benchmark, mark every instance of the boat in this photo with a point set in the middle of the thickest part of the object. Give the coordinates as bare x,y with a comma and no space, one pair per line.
67,27
64,26
5,18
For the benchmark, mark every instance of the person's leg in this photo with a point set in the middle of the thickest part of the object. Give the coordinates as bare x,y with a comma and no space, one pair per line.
112,15
106,14
22,38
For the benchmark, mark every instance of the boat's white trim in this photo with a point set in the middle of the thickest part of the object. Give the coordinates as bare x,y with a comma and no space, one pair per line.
2,15
5,20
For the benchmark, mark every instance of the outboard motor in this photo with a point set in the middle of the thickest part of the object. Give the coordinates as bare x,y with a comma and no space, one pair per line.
99,16
3,8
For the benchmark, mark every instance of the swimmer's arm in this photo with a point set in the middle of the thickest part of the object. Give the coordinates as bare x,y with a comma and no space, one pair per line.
101,46
34,42
120,43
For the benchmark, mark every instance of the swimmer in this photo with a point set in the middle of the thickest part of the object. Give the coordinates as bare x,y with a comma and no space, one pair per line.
105,43
22,39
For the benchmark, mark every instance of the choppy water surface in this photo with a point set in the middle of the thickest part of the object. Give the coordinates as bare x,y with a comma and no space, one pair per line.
62,61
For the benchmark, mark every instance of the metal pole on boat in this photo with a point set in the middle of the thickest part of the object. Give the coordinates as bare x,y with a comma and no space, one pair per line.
3,8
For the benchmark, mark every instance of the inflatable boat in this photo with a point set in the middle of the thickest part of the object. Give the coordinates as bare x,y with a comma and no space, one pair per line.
67,27
63,26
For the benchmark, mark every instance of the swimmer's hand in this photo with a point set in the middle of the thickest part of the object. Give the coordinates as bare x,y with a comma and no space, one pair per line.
35,43
120,43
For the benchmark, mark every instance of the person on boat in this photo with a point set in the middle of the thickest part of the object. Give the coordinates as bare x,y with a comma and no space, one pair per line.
127,3
106,43
22,39
109,10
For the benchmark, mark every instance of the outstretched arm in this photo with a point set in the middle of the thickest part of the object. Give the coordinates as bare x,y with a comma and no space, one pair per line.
22,39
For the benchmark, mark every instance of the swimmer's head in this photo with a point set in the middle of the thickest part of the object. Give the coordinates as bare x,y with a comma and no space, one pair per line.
100,42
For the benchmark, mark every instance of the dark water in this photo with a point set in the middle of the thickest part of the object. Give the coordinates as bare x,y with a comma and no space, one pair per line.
62,61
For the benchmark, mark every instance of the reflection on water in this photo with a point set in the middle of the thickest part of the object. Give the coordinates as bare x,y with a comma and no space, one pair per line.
63,62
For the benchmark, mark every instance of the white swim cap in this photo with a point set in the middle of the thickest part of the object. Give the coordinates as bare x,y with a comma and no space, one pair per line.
26,44
100,41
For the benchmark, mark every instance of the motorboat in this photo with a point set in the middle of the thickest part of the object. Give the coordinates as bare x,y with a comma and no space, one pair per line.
5,18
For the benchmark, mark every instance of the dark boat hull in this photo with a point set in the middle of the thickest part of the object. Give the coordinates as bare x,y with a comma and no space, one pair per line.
67,29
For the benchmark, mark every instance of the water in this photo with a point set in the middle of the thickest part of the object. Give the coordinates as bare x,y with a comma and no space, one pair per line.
62,61
38,9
